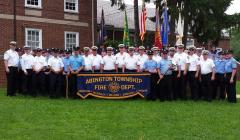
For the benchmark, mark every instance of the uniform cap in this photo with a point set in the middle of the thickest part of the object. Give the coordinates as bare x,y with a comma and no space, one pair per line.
76,48
67,51
109,48
94,48
154,49
13,43
26,47
141,48
121,46
86,48
205,52
171,49
131,48
191,47
180,45
164,51
229,52
149,52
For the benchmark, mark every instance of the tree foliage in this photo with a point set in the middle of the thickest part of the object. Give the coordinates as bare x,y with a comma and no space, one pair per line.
204,19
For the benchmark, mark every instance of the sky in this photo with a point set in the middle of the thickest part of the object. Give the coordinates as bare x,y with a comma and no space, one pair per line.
233,8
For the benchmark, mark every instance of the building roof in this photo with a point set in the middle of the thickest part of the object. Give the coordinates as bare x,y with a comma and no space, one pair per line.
115,17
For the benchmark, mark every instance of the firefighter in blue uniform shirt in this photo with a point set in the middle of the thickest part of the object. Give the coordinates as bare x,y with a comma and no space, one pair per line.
219,77
150,66
231,70
76,65
165,75
66,71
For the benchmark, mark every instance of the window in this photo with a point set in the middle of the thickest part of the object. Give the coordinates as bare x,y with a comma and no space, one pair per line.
33,3
33,38
71,6
71,40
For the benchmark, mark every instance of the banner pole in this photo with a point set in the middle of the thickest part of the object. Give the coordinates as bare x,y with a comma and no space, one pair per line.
67,86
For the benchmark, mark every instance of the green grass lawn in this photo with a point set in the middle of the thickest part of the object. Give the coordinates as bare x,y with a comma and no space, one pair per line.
238,87
41,118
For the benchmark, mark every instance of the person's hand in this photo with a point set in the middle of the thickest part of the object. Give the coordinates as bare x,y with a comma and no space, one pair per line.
185,73
196,75
161,76
212,78
231,80
37,71
179,75
25,72
7,70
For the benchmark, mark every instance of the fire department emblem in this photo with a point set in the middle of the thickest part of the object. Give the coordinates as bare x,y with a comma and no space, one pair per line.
113,87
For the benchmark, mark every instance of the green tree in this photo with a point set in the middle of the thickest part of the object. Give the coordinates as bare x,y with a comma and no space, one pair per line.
235,43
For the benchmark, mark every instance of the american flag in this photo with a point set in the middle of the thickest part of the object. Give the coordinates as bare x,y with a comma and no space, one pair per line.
143,18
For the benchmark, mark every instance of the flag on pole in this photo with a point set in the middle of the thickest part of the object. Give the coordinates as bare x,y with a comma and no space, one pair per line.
126,39
158,40
165,27
143,18
102,32
179,29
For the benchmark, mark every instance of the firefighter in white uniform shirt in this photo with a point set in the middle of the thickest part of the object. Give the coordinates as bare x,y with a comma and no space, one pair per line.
207,68
142,58
193,72
108,63
121,56
97,59
38,72
27,63
156,56
56,67
175,91
88,60
181,59
11,61
130,62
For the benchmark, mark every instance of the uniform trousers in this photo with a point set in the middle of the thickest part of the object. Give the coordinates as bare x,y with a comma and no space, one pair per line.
47,83
55,84
130,71
181,86
28,83
231,88
38,83
175,85
153,87
12,81
73,85
219,83
20,80
193,84
206,84
165,88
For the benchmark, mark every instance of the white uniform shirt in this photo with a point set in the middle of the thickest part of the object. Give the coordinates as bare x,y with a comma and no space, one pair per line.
157,58
206,66
88,60
120,58
12,58
55,63
193,62
27,61
39,62
131,62
109,62
181,59
141,60
97,61
174,63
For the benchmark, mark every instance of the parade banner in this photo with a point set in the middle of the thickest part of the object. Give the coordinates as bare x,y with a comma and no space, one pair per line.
113,86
